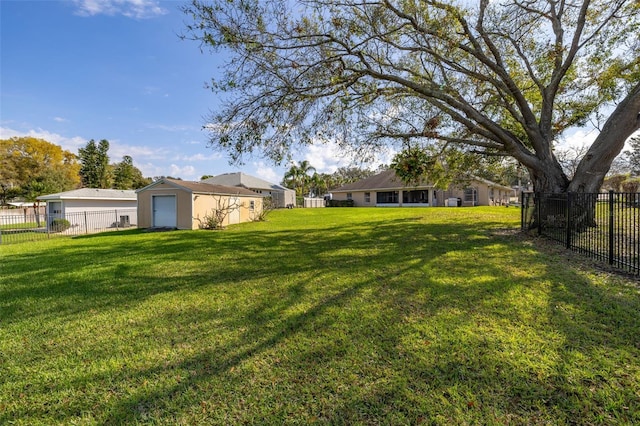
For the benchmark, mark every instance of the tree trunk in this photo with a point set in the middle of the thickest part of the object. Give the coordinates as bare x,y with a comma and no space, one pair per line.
620,125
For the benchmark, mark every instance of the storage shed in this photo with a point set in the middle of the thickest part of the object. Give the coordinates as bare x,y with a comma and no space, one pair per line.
171,203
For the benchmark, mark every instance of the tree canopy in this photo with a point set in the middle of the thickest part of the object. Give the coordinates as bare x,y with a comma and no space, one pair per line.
633,156
30,167
94,160
127,176
495,78
299,177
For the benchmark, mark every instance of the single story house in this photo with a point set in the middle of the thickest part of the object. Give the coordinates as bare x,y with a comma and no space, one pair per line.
171,203
93,208
282,197
386,189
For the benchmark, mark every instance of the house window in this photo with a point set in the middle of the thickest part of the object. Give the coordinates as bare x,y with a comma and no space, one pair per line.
367,197
415,197
252,205
349,196
390,197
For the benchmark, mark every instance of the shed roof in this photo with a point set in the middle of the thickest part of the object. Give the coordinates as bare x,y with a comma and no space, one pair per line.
92,194
203,188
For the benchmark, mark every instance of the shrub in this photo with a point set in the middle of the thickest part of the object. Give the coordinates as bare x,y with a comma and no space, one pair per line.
267,207
60,225
340,203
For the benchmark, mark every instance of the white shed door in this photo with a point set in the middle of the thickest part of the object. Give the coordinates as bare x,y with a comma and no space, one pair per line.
234,213
164,211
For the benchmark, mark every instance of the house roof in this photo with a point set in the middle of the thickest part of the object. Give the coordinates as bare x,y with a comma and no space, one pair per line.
388,180
493,184
203,188
385,180
244,180
92,194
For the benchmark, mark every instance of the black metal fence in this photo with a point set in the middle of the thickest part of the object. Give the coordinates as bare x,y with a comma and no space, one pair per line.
17,228
604,226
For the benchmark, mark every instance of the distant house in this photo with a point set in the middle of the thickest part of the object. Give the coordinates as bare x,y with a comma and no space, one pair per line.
386,189
281,196
109,207
170,203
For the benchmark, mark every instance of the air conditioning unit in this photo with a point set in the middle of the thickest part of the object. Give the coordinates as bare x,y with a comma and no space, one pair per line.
125,222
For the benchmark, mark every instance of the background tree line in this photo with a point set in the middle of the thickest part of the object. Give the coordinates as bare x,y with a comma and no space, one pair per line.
306,181
454,166
30,167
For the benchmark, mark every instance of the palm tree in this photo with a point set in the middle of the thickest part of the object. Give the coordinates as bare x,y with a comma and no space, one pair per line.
298,177
318,184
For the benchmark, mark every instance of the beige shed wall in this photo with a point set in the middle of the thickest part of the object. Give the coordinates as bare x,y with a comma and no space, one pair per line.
183,205
203,205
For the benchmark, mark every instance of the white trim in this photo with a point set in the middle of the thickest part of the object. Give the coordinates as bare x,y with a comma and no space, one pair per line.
44,198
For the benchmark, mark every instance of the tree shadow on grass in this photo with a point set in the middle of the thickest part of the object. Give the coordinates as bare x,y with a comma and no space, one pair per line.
408,322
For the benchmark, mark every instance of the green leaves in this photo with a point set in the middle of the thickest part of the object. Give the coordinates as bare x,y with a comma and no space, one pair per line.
94,160
509,76
33,167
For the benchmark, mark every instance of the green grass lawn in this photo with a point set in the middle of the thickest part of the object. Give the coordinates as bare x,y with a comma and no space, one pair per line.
25,225
327,316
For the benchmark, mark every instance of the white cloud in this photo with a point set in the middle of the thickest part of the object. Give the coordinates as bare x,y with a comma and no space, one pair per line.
118,150
70,144
585,137
137,9
152,170
60,119
328,157
578,138
174,128
201,157
185,172
266,172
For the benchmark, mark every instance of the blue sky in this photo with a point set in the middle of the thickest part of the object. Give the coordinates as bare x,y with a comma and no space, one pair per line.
76,70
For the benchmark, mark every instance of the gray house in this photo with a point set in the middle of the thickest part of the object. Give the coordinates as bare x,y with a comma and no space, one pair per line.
281,196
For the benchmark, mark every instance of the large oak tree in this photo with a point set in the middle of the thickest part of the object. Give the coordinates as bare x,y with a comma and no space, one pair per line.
496,77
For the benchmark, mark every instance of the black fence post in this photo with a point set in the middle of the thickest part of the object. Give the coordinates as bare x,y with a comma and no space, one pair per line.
611,224
537,200
569,220
522,210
